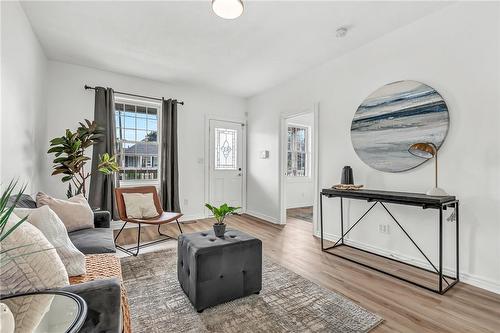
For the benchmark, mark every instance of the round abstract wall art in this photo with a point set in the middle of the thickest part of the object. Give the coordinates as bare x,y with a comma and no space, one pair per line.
393,118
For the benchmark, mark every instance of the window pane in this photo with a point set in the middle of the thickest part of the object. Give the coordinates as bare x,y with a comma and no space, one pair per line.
152,113
141,123
152,136
129,122
225,149
141,135
137,136
152,125
301,164
129,134
297,151
289,164
129,147
141,111
152,149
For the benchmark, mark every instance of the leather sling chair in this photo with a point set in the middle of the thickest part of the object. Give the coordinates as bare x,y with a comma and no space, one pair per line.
162,218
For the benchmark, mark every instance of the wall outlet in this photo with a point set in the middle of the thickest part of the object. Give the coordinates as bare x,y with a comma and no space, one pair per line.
186,202
384,228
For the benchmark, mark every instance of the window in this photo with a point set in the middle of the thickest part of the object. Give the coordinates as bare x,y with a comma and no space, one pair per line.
137,140
225,149
298,151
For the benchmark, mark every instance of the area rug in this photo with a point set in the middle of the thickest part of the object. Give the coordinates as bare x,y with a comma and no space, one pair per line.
287,303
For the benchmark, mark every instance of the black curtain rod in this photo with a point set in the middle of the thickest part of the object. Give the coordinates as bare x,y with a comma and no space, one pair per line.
134,95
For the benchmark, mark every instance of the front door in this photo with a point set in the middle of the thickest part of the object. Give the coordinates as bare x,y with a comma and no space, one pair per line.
226,152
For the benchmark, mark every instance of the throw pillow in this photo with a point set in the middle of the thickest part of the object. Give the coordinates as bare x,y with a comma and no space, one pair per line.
29,262
140,205
75,212
54,230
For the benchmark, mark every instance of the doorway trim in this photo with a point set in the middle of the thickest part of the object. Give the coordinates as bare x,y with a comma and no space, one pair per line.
206,159
283,162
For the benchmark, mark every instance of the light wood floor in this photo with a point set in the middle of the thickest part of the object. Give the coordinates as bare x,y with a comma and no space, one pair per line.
405,308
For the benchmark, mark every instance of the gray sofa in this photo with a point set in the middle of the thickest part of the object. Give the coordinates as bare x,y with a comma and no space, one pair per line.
102,296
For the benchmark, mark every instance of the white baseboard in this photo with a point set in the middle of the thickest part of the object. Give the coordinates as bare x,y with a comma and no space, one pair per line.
192,217
300,205
263,217
474,280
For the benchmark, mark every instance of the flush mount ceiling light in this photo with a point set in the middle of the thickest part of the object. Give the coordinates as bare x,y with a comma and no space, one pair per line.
341,32
227,9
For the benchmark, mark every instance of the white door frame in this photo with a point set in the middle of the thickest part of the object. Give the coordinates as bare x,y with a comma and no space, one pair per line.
240,120
283,162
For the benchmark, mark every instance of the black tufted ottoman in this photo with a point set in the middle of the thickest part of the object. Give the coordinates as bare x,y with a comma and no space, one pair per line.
215,270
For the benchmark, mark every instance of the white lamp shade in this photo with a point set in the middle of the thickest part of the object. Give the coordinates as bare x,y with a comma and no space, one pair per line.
228,9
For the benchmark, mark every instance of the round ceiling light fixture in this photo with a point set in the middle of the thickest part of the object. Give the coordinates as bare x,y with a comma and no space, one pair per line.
341,32
227,9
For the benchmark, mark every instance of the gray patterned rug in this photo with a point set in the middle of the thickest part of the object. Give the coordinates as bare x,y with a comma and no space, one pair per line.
287,303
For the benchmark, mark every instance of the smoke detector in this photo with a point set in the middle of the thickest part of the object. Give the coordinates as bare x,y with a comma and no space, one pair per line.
341,32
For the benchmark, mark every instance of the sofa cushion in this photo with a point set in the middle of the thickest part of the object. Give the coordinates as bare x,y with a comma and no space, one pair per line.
93,241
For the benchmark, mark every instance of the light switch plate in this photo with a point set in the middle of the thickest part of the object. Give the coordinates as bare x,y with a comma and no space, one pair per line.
264,154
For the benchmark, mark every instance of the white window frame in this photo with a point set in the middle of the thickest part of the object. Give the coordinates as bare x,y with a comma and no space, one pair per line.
307,144
144,103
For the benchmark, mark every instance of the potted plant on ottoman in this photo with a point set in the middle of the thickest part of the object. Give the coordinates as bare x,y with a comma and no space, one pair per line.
220,214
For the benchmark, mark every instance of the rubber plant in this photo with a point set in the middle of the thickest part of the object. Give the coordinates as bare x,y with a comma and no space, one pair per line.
70,158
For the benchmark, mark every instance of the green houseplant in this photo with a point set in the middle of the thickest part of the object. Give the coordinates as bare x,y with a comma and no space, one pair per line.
220,213
6,210
70,158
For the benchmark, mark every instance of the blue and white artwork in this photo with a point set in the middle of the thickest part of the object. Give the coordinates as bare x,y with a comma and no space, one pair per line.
393,118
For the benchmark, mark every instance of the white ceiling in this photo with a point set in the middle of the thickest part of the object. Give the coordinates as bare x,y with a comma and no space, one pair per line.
184,42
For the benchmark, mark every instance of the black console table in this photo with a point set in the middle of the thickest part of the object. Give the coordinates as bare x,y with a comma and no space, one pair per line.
400,198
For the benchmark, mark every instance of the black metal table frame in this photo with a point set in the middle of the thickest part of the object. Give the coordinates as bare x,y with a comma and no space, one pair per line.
436,270
139,245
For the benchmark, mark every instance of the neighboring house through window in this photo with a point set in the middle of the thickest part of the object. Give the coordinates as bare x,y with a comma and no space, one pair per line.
137,133
298,151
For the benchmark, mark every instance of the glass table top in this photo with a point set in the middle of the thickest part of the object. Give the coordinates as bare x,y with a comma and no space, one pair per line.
47,312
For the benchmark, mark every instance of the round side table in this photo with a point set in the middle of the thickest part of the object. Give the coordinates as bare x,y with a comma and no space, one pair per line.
48,311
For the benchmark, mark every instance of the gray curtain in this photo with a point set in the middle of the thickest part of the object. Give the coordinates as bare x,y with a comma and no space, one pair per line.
102,187
169,173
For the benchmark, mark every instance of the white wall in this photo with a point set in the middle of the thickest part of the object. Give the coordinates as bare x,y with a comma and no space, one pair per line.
23,73
456,51
69,103
299,190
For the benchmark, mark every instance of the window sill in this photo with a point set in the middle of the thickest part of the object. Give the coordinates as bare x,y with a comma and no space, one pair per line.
134,183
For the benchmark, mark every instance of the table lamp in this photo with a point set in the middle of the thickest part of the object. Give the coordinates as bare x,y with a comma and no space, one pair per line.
428,150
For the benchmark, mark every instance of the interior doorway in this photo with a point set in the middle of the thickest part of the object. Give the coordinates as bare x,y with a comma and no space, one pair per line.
298,172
